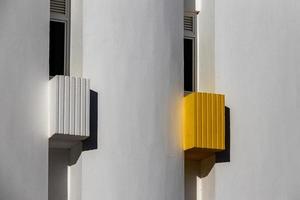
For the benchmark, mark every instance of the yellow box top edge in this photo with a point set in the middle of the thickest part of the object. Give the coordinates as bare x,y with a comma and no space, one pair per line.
193,93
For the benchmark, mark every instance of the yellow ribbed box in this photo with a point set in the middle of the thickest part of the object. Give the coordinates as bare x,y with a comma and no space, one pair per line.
204,122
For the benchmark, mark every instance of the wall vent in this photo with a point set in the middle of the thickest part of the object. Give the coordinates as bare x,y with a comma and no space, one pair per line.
189,23
58,7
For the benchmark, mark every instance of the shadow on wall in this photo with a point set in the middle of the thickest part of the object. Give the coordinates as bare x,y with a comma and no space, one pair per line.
91,142
224,156
195,171
198,185
59,160
58,174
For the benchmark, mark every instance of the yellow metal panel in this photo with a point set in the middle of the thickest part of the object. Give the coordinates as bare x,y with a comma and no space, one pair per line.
202,103
189,121
204,121
214,114
209,121
222,132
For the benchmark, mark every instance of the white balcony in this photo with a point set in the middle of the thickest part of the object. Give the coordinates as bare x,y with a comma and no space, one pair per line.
69,110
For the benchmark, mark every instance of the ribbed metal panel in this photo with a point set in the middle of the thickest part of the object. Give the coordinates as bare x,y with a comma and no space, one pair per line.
189,23
204,121
58,6
69,106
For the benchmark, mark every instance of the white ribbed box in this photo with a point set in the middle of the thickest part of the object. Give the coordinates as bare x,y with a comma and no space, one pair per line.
69,106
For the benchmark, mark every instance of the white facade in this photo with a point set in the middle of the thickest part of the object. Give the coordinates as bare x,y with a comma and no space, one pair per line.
133,56
137,71
256,66
133,53
24,99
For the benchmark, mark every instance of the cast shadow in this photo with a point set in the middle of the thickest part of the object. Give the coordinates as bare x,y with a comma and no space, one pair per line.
224,156
91,143
196,171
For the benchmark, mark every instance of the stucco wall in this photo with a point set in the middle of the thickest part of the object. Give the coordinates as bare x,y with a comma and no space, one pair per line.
257,67
206,46
23,99
133,55
76,38
189,5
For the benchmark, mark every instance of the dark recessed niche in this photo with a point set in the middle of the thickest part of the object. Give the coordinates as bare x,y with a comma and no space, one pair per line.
188,64
224,156
57,48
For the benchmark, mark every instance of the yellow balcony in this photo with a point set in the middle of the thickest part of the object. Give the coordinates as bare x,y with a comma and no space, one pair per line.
203,124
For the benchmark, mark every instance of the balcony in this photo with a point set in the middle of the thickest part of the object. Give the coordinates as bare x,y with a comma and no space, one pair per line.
69,111
203,125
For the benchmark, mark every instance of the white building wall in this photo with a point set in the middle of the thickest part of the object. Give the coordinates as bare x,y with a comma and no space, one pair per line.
23,99
189,5
133,53
76,38
257,67
206,46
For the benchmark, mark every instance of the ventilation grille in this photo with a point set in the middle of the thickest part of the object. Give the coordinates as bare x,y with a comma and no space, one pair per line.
189,23
58,7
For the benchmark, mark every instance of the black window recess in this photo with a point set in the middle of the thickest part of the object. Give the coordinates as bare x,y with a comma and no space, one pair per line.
59,37
189,65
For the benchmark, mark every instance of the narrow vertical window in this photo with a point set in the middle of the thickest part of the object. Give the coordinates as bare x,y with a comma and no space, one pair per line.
190,52
188,64
57,48
59,37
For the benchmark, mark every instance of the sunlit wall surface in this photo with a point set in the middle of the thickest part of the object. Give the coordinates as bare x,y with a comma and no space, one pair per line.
257,67
24,59
133,52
